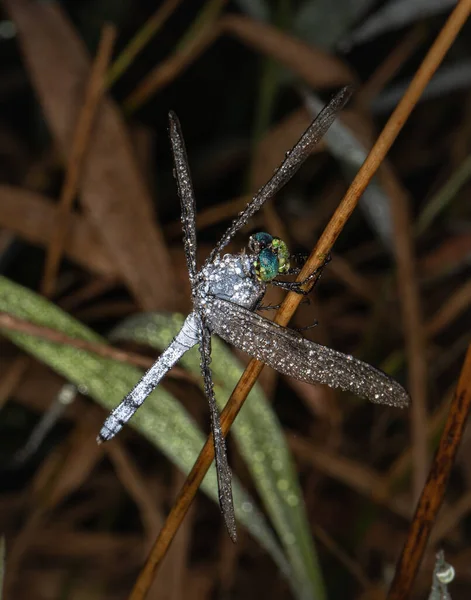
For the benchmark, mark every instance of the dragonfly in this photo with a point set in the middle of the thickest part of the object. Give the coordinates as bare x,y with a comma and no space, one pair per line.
227,291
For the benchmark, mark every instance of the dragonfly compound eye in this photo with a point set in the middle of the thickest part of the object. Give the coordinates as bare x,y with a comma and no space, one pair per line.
282,252
259,241
267,266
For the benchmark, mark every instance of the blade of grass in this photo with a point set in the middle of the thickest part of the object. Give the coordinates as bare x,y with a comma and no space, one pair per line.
441,199
385,140
15,324
142,37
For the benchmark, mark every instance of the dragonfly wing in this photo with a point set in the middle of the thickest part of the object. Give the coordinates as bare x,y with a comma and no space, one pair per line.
289,353
185,193
294,159
223,470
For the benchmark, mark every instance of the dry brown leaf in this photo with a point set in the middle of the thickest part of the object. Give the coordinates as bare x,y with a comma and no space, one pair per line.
453,308
87,545
314,66
446,256
70,464
12,376
93,95
353,474
36,390
31,216
134,482
112,188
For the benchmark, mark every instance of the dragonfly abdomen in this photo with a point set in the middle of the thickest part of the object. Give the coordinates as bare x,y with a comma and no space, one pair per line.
187,337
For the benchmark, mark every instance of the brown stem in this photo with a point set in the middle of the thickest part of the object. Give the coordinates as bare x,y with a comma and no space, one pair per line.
435,487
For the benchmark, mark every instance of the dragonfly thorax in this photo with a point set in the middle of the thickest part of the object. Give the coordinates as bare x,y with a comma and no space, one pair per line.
271,256
231,278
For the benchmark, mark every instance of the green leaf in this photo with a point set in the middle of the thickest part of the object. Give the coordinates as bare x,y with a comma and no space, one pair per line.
162,420
260,440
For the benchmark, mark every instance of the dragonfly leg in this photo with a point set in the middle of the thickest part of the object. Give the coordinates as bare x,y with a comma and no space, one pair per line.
297,286
268,307
294,286
300,258
278,306
306,327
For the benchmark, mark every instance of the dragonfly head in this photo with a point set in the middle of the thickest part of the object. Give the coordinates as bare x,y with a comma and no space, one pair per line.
271,256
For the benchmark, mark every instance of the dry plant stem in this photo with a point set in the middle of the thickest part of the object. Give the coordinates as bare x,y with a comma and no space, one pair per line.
450,518
412,325
143,36
12,323
135,483
391,65
314,66
176,566
201,34
435,487
12,377
399,468
93,95
349,563
450,310
332,231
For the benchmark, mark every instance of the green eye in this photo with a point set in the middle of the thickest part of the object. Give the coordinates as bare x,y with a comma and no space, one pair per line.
264,239
267,266
283,254
259,241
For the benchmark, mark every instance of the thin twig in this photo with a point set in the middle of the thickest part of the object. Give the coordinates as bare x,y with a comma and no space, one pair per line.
80,142
434,490
394,125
